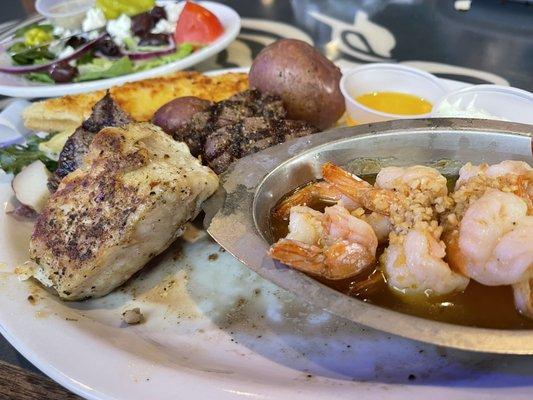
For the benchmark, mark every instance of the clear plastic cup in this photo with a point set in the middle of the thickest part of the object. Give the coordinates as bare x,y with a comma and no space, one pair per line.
68,14
387,78
487,102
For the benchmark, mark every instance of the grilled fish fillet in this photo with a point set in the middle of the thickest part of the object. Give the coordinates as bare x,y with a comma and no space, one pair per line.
139,99
124,205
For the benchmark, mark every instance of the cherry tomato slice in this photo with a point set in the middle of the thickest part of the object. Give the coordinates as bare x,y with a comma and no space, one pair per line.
197,25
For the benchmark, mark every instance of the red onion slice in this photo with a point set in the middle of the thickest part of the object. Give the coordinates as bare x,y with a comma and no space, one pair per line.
144,55
24,69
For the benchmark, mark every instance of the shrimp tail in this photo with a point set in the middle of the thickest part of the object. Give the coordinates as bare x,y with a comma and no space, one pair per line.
316,191
360,191
304,257
300,197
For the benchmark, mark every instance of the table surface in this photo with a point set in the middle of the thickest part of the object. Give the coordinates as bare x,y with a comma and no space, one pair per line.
490,43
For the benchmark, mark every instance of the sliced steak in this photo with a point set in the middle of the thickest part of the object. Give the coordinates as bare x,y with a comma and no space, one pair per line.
249,103
243,124
249,136
105,113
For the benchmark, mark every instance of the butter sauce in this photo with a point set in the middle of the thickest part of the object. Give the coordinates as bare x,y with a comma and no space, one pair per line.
395,103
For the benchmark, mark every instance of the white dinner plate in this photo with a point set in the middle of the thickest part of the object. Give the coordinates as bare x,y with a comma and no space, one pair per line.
17,86
215,330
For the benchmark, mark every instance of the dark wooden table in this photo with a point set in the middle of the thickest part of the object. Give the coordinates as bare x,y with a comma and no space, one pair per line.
491,43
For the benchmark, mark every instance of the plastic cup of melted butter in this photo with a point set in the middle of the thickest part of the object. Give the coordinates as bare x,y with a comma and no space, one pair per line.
381,92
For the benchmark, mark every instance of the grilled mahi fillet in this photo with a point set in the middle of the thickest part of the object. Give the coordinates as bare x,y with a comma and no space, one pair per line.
123,206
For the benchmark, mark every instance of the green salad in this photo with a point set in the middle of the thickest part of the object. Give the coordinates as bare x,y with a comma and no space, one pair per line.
115,38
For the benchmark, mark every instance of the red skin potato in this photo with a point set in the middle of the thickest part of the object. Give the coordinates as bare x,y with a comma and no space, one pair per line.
306,81
177,112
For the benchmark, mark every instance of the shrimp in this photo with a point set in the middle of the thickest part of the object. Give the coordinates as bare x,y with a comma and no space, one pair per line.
305,225
381,224
469,171
523,297
416,266
474,180
333,245
493,242
358,190
322,191
507,167
415,177
412,198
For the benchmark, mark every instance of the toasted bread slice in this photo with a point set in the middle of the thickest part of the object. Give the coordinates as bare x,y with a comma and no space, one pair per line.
139,99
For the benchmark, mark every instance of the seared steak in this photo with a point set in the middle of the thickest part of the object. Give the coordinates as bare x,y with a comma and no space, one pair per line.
106,113
243,124
249,136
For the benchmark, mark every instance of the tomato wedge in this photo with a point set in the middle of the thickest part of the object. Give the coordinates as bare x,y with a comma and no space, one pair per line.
197,25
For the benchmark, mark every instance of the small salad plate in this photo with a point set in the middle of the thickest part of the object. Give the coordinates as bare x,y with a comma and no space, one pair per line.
18,85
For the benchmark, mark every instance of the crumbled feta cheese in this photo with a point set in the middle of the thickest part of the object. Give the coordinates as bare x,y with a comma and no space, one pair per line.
93,35
173,11
58,30
462,5
56,46
67,51
164,26
119,29
94,19
62,32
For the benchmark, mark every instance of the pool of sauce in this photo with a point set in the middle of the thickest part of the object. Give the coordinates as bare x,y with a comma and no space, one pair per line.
479,306
395,103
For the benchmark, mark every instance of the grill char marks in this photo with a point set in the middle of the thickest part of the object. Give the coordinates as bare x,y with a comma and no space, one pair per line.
249,136
105,113
125,204
243,124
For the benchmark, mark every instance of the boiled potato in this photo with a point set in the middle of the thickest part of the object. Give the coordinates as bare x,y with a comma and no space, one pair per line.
178,112
31,186
306,81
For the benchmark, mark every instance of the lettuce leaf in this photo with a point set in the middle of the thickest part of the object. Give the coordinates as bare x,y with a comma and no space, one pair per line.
181,52
39,77
14,158
101,68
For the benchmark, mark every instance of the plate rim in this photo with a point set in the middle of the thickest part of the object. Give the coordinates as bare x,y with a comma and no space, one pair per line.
52,90
204,386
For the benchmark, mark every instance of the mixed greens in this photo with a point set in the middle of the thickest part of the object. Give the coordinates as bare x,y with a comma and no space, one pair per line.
14,158
117,37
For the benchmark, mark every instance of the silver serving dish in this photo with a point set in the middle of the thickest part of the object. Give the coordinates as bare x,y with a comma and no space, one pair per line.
238,215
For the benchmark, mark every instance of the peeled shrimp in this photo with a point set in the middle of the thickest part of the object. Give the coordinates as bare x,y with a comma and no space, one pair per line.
469,171
333,244
416,266
381,224
494,241
509,176
413,262
416,176
507,167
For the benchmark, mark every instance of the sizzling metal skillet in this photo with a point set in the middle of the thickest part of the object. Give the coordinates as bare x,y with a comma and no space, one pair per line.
237,215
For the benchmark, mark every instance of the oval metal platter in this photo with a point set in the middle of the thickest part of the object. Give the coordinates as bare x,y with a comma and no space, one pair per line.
237,217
